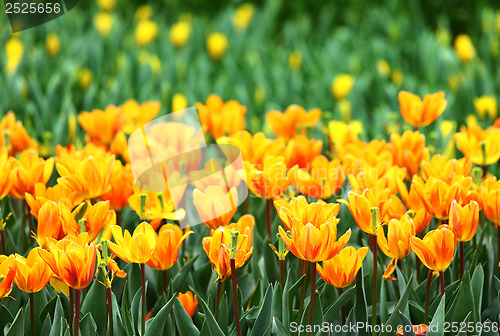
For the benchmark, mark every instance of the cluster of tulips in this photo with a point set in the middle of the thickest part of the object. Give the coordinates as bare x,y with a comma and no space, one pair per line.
396,189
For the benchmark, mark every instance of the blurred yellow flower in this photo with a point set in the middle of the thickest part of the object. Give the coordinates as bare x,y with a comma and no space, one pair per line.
397,77
179,102
84,79
486,105
14,49
52,44
342,85
217,44
243,16
103,23
144,12
384,69
179,33
446,127
295,60
464,48
107,5
341,132
145,32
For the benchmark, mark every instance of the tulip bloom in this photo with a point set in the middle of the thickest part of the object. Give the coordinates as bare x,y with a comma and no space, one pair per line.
14,132
418,112
89,177
421,218
409,151
5,182
221,119
254,148
436,249
324,179
437,195
188,301
301,151
122,187
490,199
442,168
286,124
33,273
481,146
270,181
98,220
397,243
217,249
299,211
28,171
54,221
102,125
168,242
464,220
360,206
57,194
72,259
341,270
373,178
215,205
136,248
7,274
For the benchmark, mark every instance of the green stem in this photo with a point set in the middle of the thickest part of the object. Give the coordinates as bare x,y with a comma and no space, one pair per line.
374,289
268,212
342,309
282,274
441,277
164,282
302,289
218,297
462,248
109,303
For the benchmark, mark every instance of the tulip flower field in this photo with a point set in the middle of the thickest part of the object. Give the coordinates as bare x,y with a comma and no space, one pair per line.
370,148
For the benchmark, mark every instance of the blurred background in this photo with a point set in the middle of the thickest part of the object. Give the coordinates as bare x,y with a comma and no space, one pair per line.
348,58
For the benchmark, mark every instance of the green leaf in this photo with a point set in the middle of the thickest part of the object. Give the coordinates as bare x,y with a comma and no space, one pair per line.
278,328
180,279
491,331
317,313
185,324
137,307
407,326
277,300
155,327
332,312
46,326
213,327
17,326
88,326
436,327
270,262
402,285
351,320
95,304
464,303
393,320
128,322
477,283
264,316
360,302
463,331
223,314
5,317
288,295
58,319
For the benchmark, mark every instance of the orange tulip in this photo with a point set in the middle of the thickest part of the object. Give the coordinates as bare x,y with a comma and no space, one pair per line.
421,218
137,248
444,169
99,218
323,181
221,119
121,187
244,225
158,206
375,155
314,243
102,125
5,168
372,178
188,301
7,274
217,249
409,151
360,206
418,330
270,181
301,151
464,220
28,171
397,243
72,259
18,138
437,195
54,221
418,112
136,115
215,205
253,148
436,250
471,141
490,199
33,273
286,124
89,177
168,242
299,211
341,270
57,194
